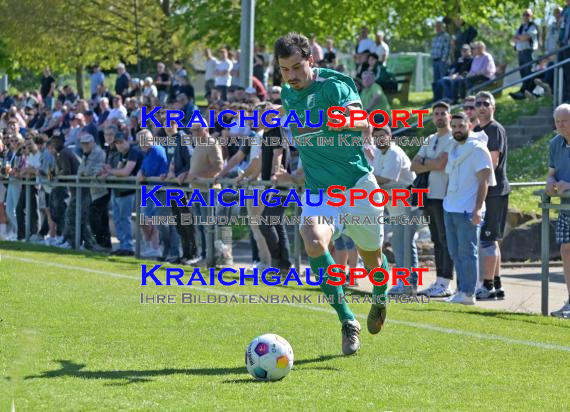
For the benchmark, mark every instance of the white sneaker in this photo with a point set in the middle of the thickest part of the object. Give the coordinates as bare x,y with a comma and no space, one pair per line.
436,290
64,245
563,312
254,265
461,298
11,237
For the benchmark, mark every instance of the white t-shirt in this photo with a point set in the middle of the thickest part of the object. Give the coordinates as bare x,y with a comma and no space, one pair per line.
210,69
393,165
381,50
119,114
463,200
437,179
227,79
366,44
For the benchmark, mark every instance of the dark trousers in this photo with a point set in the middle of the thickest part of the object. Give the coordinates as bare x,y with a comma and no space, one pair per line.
186,232
99,220
443,263
525,56
86,237
21,212
57,207
276,237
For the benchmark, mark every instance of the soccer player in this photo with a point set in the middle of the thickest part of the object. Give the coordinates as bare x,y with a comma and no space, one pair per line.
326,165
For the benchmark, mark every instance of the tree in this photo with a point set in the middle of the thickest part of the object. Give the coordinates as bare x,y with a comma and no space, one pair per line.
67,35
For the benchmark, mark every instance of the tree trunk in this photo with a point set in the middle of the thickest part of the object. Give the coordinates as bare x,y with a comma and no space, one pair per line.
79,80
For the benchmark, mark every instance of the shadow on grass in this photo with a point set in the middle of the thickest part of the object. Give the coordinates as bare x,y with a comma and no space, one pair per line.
532,318
76,370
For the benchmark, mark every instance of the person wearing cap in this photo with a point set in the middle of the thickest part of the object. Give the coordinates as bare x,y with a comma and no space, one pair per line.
122,82
92,164
90,126
86,237
275,95
129,160
448,86
77,122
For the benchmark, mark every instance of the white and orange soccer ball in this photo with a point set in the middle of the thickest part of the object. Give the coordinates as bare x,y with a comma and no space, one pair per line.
269,357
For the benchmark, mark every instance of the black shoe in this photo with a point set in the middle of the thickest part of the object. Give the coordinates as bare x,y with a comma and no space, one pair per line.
500,293
517,96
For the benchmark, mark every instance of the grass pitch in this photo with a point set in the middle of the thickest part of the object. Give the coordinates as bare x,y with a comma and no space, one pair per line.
74,336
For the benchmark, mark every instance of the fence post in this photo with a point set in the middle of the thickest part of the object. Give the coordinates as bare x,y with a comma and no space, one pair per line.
545,251
296,239
28,208
77,214
138,237
210,233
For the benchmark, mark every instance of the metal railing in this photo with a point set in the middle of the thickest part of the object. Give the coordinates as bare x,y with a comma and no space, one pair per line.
80,182
557,92
546,205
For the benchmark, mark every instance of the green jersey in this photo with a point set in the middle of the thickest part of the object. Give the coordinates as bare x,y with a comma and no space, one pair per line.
329,157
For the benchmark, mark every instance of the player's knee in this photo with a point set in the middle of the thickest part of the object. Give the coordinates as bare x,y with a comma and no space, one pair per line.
489,248
314,245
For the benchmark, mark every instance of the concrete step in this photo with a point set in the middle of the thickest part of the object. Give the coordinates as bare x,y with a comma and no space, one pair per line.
535,120
545,111
530,131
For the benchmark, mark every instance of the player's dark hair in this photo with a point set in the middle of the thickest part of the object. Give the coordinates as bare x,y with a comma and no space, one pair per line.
385,129
461,116
288,45
441,105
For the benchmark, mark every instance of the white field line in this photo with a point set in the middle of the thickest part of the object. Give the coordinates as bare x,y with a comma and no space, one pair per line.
417,325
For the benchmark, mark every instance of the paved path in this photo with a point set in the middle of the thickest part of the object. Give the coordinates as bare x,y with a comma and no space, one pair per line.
522,285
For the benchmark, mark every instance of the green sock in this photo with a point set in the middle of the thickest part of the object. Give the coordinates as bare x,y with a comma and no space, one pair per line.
323,262
379,277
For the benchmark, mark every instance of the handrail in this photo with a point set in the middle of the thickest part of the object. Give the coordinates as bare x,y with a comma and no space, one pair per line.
546,206
530,76
518,68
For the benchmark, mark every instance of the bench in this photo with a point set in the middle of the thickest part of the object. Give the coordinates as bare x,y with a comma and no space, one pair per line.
403,93
501,69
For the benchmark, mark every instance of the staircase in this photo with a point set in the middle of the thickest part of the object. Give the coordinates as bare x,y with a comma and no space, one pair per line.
529,128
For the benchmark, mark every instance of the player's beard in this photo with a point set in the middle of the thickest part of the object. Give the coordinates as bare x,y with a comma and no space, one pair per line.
460,136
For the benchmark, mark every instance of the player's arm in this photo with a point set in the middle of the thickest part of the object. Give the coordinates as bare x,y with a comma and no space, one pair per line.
357,124
483,186
495,158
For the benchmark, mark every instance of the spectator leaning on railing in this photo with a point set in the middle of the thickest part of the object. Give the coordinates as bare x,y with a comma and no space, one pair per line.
558,182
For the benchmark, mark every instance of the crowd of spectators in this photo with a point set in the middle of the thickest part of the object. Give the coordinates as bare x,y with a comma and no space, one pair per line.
52,133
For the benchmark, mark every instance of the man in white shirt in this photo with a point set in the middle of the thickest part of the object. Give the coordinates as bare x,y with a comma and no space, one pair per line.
382,49
223,79
469,168
210,71
392,171
119,112
364,42
432,159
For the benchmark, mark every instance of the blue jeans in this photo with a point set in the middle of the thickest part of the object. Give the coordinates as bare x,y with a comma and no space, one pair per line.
169,238
399,245
122,209
439,70
462,242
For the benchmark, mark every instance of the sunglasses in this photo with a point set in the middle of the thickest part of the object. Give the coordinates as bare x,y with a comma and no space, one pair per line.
486,104
526,15
468,107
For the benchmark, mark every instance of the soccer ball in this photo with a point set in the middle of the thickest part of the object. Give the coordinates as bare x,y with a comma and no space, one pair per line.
269,357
